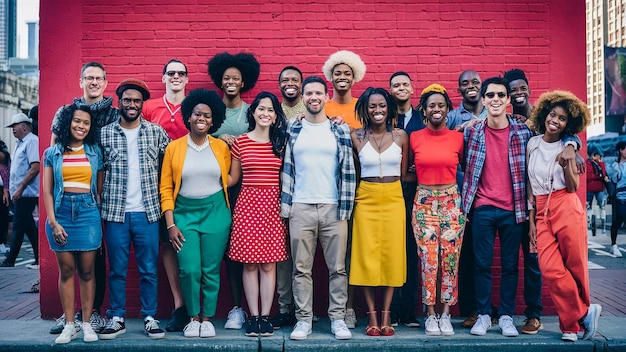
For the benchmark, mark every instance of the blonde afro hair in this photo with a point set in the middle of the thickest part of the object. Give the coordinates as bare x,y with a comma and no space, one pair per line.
348,58
577,111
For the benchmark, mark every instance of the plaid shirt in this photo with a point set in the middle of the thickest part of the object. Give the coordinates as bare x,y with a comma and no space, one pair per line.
347,174
152,140
475,152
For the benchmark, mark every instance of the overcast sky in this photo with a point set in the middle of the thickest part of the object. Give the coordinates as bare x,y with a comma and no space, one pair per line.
27,11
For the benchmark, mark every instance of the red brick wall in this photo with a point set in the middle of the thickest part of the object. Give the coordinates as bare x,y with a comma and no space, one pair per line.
432,41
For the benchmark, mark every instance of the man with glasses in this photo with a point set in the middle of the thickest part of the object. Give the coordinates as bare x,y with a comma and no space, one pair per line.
130,206
165,111
93,82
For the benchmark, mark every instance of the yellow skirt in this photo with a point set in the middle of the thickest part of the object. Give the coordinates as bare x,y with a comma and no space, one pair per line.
378,236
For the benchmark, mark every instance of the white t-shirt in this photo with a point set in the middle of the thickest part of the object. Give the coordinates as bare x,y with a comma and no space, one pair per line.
543,167
134,198
316,158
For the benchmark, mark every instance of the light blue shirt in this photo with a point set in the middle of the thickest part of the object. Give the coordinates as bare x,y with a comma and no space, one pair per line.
461,115
26,152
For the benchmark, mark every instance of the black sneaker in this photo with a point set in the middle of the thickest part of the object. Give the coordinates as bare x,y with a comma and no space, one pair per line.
252,326
97,322
114,327
411,322
178,320
6,264
265,327
58,325
152,329
283,319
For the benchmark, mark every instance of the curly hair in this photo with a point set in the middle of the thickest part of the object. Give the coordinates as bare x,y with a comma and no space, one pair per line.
62,128
428,92
246,63
278,130
348,58
577,112
207,97
362,109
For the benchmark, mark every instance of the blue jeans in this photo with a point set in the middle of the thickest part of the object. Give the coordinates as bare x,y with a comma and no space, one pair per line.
487,220
23,223
532,278
145,239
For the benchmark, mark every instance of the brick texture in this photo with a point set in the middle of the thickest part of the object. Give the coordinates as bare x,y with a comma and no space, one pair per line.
432,40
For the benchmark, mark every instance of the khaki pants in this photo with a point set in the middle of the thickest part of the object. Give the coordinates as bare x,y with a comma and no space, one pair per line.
284,272
307,224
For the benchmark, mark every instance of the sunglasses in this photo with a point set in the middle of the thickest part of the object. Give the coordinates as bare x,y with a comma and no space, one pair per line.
491,95
173,73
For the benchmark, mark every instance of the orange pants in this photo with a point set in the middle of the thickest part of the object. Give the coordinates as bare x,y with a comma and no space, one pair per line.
562,248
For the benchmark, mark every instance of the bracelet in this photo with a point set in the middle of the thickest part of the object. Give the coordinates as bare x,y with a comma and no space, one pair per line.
170,226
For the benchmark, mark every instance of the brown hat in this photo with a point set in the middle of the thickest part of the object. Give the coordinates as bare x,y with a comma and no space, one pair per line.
133,83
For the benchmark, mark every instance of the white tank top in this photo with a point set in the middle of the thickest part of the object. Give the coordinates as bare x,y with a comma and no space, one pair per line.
374,164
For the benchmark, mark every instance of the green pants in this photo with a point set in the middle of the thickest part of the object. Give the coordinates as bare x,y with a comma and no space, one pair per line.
205,224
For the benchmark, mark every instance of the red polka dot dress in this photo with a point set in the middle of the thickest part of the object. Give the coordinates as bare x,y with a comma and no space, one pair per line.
258,232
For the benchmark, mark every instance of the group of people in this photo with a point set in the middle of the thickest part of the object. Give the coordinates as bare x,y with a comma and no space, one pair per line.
384,187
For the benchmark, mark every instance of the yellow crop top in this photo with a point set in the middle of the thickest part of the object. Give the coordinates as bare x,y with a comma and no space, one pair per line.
76,170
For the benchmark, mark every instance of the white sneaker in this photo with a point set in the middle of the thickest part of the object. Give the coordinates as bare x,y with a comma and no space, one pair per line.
569,336
431,326
33,266
340,329
483,323
615,251
445,325
591,321
506,326
207,329
192,329
301,331
68,334
350,318
236,318
88,334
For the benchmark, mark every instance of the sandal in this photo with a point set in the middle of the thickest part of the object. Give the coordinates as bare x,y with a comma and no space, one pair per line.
372,330
386,330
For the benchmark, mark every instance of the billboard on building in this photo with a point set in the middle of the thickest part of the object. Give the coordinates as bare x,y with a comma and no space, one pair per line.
615,89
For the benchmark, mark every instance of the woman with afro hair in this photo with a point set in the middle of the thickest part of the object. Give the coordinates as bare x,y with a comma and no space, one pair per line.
558,230
195,205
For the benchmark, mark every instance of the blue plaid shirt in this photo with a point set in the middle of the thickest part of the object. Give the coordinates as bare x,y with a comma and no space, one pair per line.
152,140
347,174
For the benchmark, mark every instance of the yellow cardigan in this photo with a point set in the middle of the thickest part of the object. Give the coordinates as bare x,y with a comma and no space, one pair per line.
171,172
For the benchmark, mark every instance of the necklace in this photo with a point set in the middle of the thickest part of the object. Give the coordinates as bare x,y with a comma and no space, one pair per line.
75,149
172,113
378,143
197,147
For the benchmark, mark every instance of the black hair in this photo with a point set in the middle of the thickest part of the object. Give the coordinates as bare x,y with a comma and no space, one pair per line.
5,150
578,116
362,104
620,145
424,99
495,80
399,73
62,128
92,64
314,79
278,130
514,75
286,68
207,97
171,61
246,63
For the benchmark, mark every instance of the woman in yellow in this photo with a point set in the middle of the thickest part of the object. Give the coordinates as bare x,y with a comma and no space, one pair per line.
195,205
378,237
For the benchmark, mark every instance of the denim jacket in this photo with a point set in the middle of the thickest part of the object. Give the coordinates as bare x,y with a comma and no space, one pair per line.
53,157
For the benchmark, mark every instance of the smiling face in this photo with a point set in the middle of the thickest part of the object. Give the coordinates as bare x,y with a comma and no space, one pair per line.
556,122
178,79
519,93
401,88
93,83
290,84
377,110
342,78
232,82
314,97
80,125
131,103
469,86
496,100
436,111
201,119
264,114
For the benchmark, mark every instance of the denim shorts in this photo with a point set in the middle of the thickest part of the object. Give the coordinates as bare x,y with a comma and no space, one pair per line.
80,217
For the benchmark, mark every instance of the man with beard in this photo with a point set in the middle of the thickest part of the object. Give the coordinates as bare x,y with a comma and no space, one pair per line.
471,107
317,196
290,85
165,111
93,81
130,206
343,69
404,301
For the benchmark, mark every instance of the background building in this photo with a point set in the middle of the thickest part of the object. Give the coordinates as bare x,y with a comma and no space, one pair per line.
606,26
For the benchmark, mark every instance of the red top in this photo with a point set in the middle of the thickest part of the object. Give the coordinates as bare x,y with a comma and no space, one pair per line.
259,166
595,174
495,186
156,110
436,155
